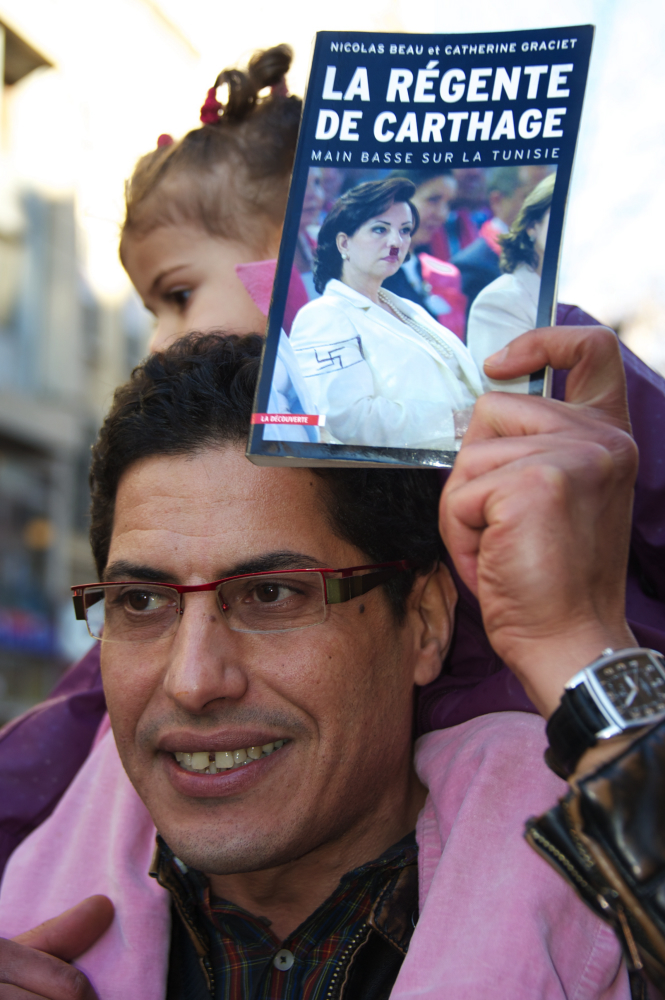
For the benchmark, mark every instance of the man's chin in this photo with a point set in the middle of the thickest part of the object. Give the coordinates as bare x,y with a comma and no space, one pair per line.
237,854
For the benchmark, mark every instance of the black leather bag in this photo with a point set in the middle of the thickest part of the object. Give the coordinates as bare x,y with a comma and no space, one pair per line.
607,838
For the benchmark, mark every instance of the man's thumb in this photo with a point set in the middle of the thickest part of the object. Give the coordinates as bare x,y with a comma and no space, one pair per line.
71,933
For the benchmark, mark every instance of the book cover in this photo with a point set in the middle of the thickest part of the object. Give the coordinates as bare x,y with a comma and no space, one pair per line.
423,233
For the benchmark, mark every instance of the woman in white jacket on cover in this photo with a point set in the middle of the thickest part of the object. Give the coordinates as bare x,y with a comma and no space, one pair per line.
378,366
508,307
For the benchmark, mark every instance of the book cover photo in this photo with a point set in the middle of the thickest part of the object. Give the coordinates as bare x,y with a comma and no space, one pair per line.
423,233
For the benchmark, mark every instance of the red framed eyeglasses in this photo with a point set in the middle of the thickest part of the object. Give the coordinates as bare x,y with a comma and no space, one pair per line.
279,601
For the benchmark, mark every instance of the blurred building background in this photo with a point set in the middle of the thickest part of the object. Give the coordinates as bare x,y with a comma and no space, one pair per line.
86,89
63,346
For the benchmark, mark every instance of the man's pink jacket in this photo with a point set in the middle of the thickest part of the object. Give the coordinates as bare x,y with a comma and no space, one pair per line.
496,921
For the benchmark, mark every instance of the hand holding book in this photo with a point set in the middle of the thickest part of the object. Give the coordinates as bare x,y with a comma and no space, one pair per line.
538,480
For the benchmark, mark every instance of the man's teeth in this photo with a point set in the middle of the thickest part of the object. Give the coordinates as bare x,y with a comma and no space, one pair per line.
223,760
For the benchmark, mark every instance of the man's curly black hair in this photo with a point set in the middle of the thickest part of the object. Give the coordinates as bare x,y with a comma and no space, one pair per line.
197,394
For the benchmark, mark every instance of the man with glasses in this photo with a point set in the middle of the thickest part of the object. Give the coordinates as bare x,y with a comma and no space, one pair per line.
263,631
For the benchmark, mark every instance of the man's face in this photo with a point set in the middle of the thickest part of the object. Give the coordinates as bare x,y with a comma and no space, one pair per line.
506,207
378,247
187,279
432,199
471,186
314,198
339,694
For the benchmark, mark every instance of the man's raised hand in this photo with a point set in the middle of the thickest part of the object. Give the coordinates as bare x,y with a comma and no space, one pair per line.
34,965
536,512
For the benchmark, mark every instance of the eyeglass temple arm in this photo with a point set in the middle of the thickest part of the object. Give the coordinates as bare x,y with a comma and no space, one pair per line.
339,591
79,603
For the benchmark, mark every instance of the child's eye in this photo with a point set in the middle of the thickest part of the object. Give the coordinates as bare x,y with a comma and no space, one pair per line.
179,297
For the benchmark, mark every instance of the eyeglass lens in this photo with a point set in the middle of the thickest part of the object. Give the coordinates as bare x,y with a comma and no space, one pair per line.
262,603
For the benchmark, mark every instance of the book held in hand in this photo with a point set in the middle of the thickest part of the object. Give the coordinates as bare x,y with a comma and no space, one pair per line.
422,235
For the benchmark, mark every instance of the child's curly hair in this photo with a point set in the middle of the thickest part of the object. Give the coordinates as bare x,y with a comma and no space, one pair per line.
223,175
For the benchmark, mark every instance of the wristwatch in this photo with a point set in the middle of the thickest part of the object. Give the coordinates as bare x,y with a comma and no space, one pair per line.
622,689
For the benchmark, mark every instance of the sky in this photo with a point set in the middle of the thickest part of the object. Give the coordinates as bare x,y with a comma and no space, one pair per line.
127,70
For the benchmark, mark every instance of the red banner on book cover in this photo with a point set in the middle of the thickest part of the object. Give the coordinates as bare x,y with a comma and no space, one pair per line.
308,419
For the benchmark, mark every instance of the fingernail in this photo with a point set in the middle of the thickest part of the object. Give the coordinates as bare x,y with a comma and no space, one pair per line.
497,359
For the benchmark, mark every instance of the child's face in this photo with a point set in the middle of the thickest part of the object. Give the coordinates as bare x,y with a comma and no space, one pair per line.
187,280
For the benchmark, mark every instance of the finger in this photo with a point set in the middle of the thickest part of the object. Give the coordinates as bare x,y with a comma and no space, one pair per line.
505,415
71,933
487,453
27,973
502,414
470,504
16,993
484,455
591,354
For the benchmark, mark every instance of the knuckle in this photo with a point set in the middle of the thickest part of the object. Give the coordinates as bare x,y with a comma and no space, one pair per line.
482,406
597,332
72,982
616,452
12,957
22,966
603,338
628,449
546,479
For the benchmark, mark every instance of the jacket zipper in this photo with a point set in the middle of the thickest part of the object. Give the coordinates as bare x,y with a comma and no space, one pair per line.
345,958
623,930
548,848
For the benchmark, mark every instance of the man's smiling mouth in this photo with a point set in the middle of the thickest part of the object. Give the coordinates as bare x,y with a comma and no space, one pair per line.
214,761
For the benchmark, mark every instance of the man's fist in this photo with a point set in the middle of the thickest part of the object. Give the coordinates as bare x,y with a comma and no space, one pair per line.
34,965
536,512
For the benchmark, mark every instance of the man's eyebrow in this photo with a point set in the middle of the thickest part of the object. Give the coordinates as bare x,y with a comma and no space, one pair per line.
122,569
273,560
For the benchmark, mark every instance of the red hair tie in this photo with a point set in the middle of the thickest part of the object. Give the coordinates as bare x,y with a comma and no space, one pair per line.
164,140
280,89
211,108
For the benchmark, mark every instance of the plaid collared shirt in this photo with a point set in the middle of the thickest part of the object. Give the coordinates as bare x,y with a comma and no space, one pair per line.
220,950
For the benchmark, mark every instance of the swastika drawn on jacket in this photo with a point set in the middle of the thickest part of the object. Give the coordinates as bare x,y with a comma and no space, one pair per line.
329,358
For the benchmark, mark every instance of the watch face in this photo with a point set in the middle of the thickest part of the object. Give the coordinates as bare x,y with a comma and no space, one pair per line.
634,686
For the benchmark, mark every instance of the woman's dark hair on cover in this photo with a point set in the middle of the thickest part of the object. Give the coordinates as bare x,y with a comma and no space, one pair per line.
347,215
198,393
516,245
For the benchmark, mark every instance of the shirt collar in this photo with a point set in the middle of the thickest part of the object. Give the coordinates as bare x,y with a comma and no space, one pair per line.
191,887
361,301
357,299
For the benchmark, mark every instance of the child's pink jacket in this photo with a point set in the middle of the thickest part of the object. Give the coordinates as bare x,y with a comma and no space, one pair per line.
496,921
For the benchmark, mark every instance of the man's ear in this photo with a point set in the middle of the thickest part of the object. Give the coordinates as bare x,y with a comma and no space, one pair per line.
432,605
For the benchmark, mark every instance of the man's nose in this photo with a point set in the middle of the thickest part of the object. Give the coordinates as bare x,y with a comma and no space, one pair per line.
205,661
